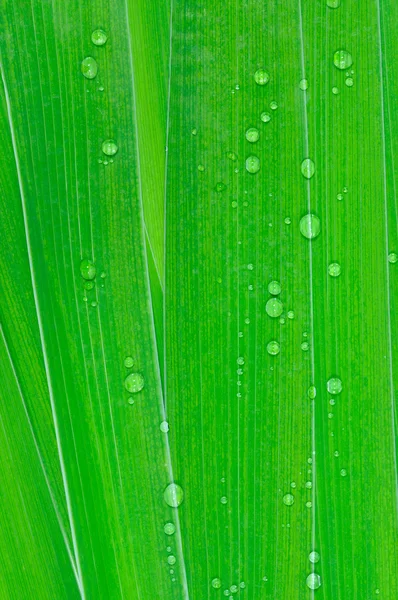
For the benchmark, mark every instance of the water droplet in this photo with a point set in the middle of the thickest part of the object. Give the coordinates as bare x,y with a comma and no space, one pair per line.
288,499
290,314
130,400
273,348
308,168
334,269
201,168
109,147
171,559
242,585
169,528
194,131
134,383
310,226
340,196
334,385
99,37
288,220
273,105
336,453
250,267
223,500
313,581
173,495
87,269
308,485
101,88
274,288
89,67
303,84
164,427
333,3
232,156
227,593
311,392
240,360
293,484
313,557
393,258
274,307
89,285
128,362
345,189
233,589
305,346
261,77
252,134
265,117
252,164
349,82
308,504
343,473
220,186
216,583
342,59
335,90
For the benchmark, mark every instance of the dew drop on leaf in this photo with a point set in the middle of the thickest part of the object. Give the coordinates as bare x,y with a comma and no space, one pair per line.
308,168
349,82
342,59
223,500
109,147
334,269
99,37
333,3
89,67
164,427
128,362
173,495
335,90
343,473
171,559
169,528
310,226
252,134
273,348
311,392
216,583
265,117
134,383
303,85
233,589
274,307
252,164
313,557
261,77
288,499
393,258
274,288
334,385
313,581
87,269
273,105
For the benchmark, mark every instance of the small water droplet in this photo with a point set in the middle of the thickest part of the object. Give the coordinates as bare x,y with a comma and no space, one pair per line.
101,88
334,385
89,285
308,485
261,77
334,269
87,269
274,288
345,189
232,156
335,90
227,593
250,267
233,589
169,528
134,383
194,131
89,67
311,392
333,3
171,559
303,84
343,473
336,453
393,258
240,360
252,164
290,314
288,220
265,117
109,147
164,427
293,485
130,400
201,168
349,82
94,304
273,105
128,362
313,581
242,585
342,59
173,495
273,348
223,500
310,226
99,37
274,307
288,499
252,134
340,196
314,557
220,186
308,168
305,346
216,583
308,504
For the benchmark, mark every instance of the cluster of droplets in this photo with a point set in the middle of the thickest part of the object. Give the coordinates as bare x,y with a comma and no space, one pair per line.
88,271
216,584
134,382
342,60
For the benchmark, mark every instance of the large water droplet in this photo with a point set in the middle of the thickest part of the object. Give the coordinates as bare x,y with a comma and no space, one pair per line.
303,84
274,288
261,77
288,499
87,269
313,557
252,164
310,226
109,147
173,495
164,427
313,581
334,269
334,385
393,258
99,37
273,348
274,307
216,583
308,168
252,134
169,528
342,59
134,383
89,67
171,559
